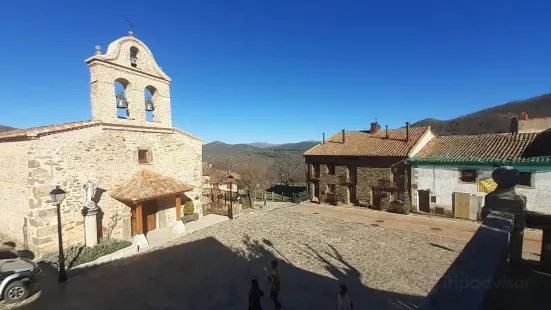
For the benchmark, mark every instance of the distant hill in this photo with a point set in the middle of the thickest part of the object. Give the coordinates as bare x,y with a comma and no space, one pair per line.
262,144
491,120
5,128
299,146
218,148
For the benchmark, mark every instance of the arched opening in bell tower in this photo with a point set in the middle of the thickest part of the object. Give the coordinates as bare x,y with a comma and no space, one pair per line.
121,100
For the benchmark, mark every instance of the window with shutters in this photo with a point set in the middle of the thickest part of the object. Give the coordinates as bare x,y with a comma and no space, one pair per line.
144,156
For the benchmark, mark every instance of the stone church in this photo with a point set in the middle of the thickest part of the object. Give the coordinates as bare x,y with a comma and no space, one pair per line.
142,168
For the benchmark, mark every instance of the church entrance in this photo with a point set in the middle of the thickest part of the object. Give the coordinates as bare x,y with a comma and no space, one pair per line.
148,218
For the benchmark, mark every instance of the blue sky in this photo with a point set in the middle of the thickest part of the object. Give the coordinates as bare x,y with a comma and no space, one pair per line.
282,71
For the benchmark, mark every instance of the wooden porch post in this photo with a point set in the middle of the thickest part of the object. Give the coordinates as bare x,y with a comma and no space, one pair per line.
139,219
178,207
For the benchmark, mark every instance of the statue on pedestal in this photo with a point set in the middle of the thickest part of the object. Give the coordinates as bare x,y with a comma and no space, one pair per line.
89,193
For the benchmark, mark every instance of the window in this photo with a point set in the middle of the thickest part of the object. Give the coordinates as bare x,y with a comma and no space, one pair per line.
316,170
433,199
468,176
330,169
331,188
525,179
396,195
144,156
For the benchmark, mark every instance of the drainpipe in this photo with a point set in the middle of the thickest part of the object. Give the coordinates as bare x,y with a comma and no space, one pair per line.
407,131
343,136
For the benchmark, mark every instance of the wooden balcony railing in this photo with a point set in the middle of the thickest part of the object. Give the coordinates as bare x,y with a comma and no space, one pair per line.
396,184
346,179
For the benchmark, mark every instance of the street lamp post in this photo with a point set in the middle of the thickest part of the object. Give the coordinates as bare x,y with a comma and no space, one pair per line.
58,195
230,209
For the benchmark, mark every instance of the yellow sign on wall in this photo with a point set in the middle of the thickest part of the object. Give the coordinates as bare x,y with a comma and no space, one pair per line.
486,186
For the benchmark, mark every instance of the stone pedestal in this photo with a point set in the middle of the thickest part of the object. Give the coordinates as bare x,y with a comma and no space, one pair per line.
505,198
91,225
140,240
178,227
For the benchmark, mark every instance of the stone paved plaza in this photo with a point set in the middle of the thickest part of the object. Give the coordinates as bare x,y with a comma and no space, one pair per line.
384,268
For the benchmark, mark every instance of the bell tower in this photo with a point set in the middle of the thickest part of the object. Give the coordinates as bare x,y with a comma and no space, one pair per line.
127,86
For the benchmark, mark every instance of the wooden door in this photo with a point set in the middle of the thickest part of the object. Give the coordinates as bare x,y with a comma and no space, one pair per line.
316,189
352,194
376,195
149,216
424,201
462,207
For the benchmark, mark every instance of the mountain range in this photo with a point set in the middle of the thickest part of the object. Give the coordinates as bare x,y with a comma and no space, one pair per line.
491,120
218,148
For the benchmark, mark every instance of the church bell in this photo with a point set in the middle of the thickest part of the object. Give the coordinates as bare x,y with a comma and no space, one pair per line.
149,104
121,101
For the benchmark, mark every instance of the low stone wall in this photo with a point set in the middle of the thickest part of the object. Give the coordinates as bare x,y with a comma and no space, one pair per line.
126,252
470,277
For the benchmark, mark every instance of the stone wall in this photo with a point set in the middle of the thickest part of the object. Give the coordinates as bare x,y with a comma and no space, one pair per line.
106,155
14,204
370,172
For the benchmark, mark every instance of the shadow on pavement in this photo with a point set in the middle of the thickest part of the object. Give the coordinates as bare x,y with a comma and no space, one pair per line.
205,274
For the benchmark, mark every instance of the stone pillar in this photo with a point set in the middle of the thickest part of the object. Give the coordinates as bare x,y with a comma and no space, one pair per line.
545,258
505,198
178,227
91,225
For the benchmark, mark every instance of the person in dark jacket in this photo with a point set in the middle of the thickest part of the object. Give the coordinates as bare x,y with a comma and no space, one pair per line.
254,296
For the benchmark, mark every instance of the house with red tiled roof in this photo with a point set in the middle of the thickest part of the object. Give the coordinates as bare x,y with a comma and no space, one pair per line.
452,174
127,164
364,167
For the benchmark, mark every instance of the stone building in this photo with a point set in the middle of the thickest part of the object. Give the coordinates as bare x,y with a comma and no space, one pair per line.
364,167
136,154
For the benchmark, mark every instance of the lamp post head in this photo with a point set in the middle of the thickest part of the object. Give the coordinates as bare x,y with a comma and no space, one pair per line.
57,195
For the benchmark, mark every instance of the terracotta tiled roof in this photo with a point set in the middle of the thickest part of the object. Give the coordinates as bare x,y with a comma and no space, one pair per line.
146,185
22,134
486,148
359,143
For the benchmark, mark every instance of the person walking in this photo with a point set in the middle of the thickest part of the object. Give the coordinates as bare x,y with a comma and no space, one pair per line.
343,301
254,296
275,281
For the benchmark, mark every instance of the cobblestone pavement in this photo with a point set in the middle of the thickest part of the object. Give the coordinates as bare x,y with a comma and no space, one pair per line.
384,268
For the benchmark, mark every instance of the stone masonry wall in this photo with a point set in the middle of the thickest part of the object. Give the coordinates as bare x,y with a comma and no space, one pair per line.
107,157
369,171
14,189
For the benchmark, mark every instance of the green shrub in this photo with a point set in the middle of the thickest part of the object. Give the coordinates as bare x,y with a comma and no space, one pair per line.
79,254
189,209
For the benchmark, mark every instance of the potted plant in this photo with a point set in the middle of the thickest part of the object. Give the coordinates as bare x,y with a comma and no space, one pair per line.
189,212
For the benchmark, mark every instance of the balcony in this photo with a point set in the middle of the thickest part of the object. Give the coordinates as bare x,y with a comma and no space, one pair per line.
314,177
347,180
387,184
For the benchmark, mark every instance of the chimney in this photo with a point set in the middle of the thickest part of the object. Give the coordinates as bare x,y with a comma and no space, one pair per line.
513,125
343,136
386,131
323,141
374,127
523,116
407,131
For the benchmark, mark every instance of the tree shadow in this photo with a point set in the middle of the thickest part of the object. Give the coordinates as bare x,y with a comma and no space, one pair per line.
206,274
279,189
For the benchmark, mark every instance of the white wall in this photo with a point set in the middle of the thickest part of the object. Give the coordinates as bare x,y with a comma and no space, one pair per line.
444,181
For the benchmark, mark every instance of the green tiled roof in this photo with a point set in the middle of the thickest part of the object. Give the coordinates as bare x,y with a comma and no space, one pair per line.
521,161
